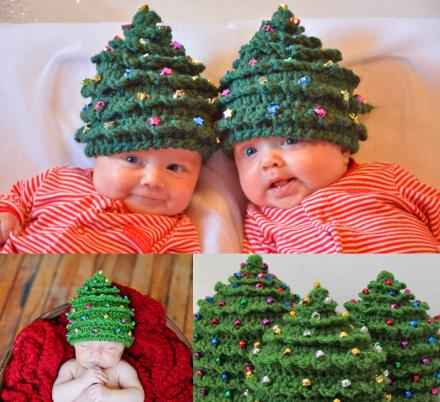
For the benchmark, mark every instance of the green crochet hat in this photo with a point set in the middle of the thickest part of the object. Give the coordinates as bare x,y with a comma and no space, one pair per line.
147,94
99,313
284,84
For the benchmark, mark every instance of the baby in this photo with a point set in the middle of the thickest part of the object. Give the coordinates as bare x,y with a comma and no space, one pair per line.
291,123
100,327
148,128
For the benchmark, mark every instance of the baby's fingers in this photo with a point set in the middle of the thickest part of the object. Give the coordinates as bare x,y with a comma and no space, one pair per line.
8,224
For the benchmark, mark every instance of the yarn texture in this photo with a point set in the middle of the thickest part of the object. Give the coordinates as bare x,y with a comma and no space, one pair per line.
400,325
285,84
147,94
315,355
227,324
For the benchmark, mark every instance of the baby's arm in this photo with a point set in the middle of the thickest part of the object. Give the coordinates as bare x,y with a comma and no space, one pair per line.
8,223
131,388
67,388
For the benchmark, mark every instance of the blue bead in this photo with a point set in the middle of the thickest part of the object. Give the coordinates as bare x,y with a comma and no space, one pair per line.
416,304
438,374
224,377
198,121
209,299
128,71
413,323
304,81
408,394
214,341
238,275
392,293
234,285
283,286
197,316
431,339
84,318
118,330
269,277
273,108
286,304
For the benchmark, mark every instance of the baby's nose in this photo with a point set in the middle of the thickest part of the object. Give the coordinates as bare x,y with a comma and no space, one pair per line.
271,159
152,177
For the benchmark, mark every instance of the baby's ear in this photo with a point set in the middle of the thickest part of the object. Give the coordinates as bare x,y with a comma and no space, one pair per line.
345,155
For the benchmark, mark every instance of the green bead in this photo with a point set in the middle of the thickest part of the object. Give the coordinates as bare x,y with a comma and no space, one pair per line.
218,360
398,364
243,303
196,336
228,394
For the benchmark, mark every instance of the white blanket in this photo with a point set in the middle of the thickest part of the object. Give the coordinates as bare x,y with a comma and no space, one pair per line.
43,65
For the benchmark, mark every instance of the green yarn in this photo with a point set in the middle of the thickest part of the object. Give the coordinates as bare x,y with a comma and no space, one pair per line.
99,313
313,343
409,338
147,76
281,84
235,314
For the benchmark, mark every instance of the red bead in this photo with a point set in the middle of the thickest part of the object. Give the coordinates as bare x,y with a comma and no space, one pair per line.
390,322
366,291
416,378
280,290
246,274
200,373
242,344
242,265
353,300
214,322
389,282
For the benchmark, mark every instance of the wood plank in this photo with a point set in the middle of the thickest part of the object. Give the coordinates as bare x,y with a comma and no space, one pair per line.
178,291
188,328
160,283
8,273
143,273
40,289
83,267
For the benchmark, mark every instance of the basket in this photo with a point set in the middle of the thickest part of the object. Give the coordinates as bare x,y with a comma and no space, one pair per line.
60,310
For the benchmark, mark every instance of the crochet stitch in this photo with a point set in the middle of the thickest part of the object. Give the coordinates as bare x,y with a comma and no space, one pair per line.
400,325
284,84
99,313
147,94
228,322
315,355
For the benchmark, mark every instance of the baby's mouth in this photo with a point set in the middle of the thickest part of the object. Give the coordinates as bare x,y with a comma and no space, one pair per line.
279,184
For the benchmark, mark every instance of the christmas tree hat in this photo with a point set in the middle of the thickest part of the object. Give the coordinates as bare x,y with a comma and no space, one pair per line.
100,313
403,329
147,94
316,355
227,322
284,84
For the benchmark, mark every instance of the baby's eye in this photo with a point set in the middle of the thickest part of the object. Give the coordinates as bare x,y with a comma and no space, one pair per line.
132,159
289,141
175,167
249,151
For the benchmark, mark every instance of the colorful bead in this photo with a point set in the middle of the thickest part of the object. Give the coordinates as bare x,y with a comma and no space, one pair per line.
242,344
360,98
343,334
434,391
225,92
267,28
224,376
346,383
252,62
99,105
306,300
228,394
392,293
292,313
178,94
405,344
126,26
203,392
265,322
198,121
389,282
294,21
416,303
221,303
270,300
394,306
304,81
197,316
127,72
214,341
431,340
426,361
166,71
154,121
276,330
214,322
319,354
366,291
413,323
416,378
262,80
409,394
390,322
356,351
88,305
319,111
306,382
175,45
316,315
236,323
227,114
243,303
259,285
200,373
273,108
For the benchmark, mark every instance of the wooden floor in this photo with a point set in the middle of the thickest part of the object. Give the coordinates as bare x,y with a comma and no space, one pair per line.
33,284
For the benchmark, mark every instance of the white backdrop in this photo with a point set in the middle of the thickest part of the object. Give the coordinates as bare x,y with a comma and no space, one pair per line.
343,275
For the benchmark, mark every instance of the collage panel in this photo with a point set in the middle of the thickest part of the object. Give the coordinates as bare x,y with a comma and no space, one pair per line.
70,324
316,328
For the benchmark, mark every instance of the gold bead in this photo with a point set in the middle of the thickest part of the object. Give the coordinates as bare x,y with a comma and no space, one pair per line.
283,6
354,117
345,95
97,77
306,382
317,284
142,41
144,8
287,351
329,63
294,20
109,124
379,379
292,313
105,316
257,345
142,95
262,80
356,351
306,300
389,397
248,374
276,330
343,334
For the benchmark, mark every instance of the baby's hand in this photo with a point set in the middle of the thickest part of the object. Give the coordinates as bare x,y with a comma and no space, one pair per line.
8,223
94,376
98,393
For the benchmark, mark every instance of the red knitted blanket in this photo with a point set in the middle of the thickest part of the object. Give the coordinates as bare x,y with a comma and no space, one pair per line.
162,361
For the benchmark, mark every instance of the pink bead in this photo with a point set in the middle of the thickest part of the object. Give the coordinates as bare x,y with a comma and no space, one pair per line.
126,26
320,111
407,291
249,367
175,44
221,303
405,344
434,391
260,275
265,321
166,71
426,361
267,28
252,62
259,285
200,373
430,320
88,305
237,323
394,305
270,300
99,105
360,98
225,92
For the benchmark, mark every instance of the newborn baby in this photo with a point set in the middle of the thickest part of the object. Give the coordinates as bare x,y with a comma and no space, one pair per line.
100,327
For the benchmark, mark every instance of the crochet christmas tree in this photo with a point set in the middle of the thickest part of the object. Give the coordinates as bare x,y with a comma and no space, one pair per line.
147,94
285,84
100,313
228,323
315,355
400,325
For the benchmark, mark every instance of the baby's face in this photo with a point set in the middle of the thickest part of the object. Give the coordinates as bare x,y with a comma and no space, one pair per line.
277,172
100,354
156,182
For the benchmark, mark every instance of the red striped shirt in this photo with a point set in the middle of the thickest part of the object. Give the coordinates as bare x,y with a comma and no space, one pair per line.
61,212
373,208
